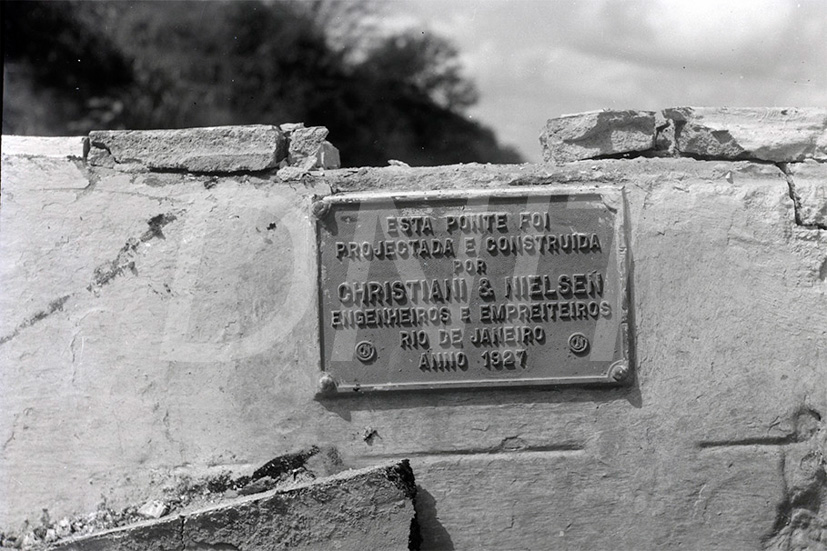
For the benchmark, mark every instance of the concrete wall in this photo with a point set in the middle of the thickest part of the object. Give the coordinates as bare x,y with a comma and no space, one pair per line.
162,323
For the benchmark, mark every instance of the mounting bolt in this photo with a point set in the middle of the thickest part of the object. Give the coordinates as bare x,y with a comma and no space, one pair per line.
619,371
327,385
320,209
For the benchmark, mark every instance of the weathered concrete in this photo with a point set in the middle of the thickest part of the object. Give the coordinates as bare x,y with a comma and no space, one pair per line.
61,147
778,135
216,149
189,303
768,134
309,150
163,535
355,510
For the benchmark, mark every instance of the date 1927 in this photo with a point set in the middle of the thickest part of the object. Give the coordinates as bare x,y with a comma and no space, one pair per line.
498,360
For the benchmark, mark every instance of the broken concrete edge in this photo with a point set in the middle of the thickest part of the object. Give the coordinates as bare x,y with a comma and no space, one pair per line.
807,183
284,472
775,135
213,150
793,139
370,491
807,188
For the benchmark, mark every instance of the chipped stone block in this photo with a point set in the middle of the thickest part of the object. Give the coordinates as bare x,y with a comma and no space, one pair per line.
99,156
329,156
665,136
810,192
370,508
288,127
289,173
220,149
309,150
597,134
769,134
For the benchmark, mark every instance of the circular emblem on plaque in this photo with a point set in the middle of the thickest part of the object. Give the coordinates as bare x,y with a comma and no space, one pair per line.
578,343
365,351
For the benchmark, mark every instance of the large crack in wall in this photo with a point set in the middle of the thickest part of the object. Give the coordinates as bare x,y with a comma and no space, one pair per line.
124,261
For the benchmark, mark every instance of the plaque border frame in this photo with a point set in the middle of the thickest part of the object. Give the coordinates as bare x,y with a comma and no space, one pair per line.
620,372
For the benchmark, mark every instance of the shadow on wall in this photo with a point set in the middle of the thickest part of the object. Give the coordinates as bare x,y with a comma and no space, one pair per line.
344,405
434,535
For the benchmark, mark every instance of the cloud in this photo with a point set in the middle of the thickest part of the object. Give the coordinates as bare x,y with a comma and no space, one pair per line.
536,59
759,36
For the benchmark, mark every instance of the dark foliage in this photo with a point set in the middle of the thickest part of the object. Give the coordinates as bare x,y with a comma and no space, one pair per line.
72,66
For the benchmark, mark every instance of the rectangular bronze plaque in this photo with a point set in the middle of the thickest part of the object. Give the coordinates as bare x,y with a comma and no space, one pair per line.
472,289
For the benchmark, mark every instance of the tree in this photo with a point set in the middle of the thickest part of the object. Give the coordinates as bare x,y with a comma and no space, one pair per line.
426,62
181,64
58,76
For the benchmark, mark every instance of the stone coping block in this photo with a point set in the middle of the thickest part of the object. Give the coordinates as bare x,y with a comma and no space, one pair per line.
219,149
369,508
597,134
778,135
767,134
308,148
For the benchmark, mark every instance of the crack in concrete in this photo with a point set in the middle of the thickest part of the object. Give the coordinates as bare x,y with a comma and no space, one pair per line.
54,306
784,167
103,274
757,441
125,260
796,198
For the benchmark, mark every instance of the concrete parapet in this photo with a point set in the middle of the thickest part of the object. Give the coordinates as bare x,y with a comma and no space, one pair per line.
162,324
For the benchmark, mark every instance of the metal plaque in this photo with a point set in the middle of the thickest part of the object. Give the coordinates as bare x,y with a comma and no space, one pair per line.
472,289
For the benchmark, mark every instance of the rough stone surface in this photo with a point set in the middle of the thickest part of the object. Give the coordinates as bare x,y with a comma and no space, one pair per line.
597,134
805,473
309,150
761,134
219,149
808,184
153,509
163,535
155,325
768,134
356,510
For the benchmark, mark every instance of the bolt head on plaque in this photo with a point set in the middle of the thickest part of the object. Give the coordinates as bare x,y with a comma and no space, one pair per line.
619,371
320,209
578,343
327,385
365,352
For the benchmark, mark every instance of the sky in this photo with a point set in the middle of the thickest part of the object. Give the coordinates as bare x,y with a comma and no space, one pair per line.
537,59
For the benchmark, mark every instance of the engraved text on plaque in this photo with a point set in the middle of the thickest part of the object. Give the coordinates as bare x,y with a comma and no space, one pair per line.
473,289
